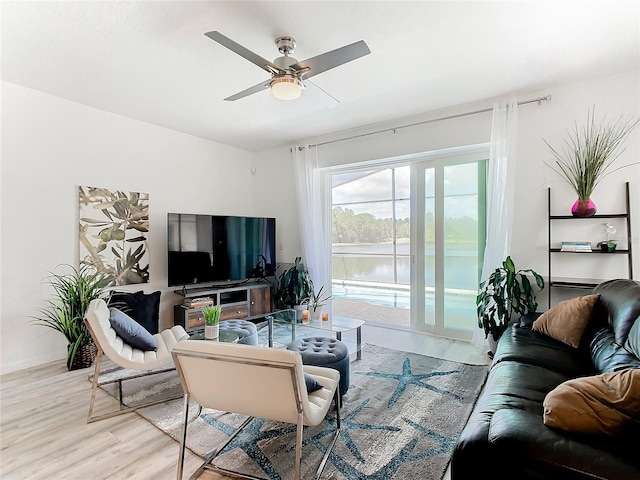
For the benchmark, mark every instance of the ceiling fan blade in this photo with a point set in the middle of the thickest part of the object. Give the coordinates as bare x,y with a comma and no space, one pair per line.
249,91
244,52
334,58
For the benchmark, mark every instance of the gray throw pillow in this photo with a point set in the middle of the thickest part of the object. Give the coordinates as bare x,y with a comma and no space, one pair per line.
131,331
142,307
312,383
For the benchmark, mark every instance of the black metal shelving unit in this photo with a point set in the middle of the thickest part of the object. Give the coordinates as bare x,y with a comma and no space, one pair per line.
587,283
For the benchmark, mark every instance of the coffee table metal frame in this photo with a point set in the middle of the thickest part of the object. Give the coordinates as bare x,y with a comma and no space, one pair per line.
336,325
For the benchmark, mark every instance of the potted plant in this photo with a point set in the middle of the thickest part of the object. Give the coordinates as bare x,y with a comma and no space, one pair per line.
609,244
72,293
211,321
587,158
316,301
504,293
294,286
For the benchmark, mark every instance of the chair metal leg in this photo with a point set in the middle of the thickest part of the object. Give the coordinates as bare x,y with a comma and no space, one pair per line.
212,454
338,401
94,387
199,412
338,396
120,397
123,408
183,436
299,428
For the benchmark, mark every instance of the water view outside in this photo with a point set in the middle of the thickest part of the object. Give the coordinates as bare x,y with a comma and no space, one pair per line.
370,263
365,273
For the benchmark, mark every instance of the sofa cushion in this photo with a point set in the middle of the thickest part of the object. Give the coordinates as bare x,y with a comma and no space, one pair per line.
632,345
597,404
525,346
538,452
567,320
131,331
620,303
607,355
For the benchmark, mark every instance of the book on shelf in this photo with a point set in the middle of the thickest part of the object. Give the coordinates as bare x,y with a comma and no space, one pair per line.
575,247
198,302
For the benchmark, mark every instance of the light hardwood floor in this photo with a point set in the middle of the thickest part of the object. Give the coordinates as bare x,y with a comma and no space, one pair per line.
44,434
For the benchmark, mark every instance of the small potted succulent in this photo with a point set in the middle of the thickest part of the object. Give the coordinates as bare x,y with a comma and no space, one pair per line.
608,245
316,301
211,321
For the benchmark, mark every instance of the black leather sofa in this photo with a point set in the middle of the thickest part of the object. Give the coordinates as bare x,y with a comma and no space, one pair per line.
505,436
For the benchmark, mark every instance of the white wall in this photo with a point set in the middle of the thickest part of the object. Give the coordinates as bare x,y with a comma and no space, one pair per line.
50,146
276,192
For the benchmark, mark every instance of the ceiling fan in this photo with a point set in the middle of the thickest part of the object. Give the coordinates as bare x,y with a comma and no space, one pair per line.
287,73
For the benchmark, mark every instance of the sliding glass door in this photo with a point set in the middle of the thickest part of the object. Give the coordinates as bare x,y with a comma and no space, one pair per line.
407,244
370,244
449,222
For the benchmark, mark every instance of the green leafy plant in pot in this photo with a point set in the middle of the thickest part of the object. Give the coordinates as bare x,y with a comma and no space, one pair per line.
504,293
294,286
211,321
609,244
587,158
64,313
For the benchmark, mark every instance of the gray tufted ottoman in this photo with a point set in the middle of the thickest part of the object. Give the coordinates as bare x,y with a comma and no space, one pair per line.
325,352
246,330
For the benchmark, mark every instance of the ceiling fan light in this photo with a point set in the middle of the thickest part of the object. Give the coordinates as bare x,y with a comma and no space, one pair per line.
286,88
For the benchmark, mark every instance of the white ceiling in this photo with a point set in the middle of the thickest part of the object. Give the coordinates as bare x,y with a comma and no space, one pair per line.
151,60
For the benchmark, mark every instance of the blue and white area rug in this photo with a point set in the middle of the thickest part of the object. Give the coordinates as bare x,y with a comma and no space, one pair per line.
400,419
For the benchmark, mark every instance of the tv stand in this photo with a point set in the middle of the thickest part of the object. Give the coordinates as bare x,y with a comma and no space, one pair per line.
248,301
211,287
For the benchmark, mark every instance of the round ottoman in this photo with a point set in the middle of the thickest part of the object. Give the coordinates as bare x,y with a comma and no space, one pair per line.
246,330
325,352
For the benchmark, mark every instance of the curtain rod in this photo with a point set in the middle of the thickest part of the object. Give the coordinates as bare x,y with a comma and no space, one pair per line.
538,100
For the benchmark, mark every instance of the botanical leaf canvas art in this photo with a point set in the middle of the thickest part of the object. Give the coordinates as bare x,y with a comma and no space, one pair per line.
113,233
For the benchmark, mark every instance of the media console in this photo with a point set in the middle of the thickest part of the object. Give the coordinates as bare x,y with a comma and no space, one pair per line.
250,301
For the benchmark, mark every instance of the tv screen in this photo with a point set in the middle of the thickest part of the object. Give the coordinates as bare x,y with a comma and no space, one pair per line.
219,249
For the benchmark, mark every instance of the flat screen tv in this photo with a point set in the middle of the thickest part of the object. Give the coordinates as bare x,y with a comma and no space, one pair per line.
219,249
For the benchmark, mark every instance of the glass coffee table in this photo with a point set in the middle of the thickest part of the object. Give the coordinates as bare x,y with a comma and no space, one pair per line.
335,324
223,336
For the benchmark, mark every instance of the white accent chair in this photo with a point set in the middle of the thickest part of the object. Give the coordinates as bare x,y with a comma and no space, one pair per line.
255,381
143,363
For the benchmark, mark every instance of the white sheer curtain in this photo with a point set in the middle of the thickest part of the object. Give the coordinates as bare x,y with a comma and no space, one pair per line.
312,199
500,192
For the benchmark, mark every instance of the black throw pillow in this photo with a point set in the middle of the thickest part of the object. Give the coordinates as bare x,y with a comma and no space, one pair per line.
131,331
143,308
312,383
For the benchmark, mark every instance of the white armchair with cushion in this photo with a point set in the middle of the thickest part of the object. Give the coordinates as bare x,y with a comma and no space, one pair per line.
130,346
235,378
